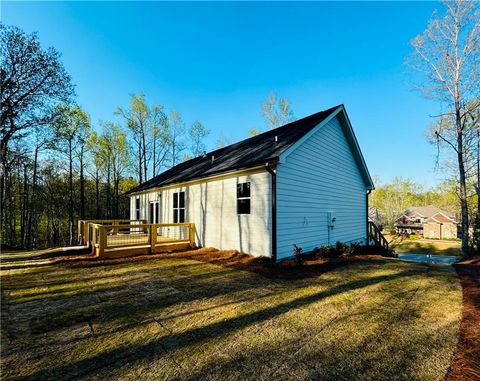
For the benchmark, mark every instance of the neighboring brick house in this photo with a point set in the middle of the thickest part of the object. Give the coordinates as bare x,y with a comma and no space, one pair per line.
427,221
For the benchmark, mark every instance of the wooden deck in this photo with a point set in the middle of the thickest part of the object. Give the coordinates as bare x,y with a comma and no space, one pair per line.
113,239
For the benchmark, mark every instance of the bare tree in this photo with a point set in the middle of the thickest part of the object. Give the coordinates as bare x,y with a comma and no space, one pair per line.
276,111
177,132
113,147
69,129
197,134
32,82
137,119
447,54
161,139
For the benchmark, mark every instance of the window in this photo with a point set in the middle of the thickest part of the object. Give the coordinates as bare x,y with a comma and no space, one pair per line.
178,207
157,211
154,212
243,198
137,208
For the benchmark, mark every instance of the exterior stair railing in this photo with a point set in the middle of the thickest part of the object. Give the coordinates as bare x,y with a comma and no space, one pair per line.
375,235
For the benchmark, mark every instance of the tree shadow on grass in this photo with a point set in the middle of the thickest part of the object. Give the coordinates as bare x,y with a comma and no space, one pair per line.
153,350
131,299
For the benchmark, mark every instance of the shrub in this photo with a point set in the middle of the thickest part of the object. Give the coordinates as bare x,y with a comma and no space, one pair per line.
355,248
340,247
298,251
331,251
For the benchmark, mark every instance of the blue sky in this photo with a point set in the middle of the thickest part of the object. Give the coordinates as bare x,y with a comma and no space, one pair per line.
217,62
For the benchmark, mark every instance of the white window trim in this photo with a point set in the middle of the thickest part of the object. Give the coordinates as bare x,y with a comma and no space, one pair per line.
178,208
244,198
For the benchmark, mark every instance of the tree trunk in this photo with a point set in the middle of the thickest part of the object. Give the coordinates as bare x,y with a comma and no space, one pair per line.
97,194
463,182
70,201
109,198
144,155
33,200
154,162
82,188
140,177
23,208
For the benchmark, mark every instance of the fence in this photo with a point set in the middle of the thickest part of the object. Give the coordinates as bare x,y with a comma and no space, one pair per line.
127,237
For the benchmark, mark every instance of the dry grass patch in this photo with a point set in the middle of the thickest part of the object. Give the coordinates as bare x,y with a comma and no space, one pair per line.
424,246
179,318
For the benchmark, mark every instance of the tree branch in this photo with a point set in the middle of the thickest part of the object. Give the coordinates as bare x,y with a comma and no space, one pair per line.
446,141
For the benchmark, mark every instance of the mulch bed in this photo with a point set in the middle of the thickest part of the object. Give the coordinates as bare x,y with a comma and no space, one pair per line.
466,360
228,258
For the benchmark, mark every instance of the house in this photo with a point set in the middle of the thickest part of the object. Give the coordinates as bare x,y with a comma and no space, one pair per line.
428,221
305,183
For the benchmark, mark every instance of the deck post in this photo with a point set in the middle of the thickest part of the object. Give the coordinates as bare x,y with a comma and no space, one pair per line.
191,237
80,232
102,240
153,238
115,227
86,232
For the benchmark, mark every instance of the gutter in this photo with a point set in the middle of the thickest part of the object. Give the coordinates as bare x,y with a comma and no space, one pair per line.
368,234
175,184
273,171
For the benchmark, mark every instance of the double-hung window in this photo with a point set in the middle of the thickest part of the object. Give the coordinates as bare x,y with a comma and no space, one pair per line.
178,207
137,208
243,198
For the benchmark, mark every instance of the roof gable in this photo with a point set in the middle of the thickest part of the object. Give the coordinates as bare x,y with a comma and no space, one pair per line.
347,128
442,218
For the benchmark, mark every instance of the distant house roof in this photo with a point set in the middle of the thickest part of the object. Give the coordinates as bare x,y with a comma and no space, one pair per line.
442,218
248,153
428,211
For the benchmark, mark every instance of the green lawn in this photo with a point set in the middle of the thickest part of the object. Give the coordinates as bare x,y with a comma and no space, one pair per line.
425,246
176,318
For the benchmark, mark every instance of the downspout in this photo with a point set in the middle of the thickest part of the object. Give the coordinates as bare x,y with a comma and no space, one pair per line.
368,234
272,170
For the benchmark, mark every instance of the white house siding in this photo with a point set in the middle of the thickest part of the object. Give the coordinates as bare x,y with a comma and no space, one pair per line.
318,177
145,199
212,206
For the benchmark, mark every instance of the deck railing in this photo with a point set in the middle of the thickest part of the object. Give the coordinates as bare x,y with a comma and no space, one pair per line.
129,236
84,227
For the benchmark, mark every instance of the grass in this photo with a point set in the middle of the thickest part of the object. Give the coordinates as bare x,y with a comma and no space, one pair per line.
178,318
424,246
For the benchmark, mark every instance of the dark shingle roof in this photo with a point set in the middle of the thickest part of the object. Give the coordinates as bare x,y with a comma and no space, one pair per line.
247,153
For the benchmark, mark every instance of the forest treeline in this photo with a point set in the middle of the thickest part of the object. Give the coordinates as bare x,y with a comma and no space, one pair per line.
58,166
393,198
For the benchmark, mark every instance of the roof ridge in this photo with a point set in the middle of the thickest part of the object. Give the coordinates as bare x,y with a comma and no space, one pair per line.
262,134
